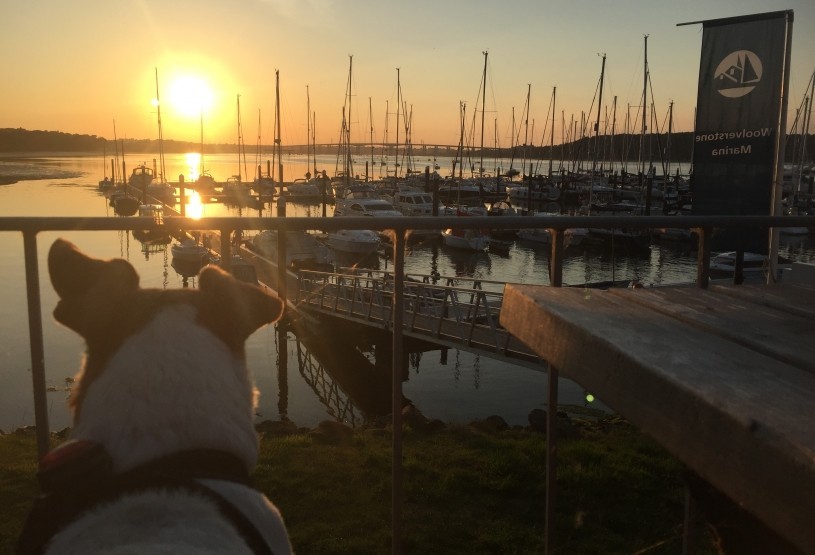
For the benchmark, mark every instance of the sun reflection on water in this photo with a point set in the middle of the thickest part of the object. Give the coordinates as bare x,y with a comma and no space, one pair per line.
193,163
194,208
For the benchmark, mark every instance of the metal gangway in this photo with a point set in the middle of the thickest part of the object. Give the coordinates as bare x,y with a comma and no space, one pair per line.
456,312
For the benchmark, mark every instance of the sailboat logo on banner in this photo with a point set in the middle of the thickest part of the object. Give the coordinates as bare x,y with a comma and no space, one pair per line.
738,74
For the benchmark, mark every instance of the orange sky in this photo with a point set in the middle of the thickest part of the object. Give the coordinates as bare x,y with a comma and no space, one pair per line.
85,63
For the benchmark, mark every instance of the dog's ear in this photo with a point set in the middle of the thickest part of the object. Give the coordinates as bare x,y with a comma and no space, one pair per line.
88,288
235,309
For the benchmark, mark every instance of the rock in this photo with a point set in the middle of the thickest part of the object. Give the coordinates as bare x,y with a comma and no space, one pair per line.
537,420
492,424
330,432
277,427
565,428
413,417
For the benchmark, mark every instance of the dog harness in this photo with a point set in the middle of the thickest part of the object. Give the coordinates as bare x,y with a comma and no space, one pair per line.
78,476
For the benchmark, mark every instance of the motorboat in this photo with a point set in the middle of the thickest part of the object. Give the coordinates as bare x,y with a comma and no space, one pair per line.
205,184
463,238
189,251
724,264
301,190
125,204
466,239
362,200
303,250
571,237
154,212
355,241
140,177
415,204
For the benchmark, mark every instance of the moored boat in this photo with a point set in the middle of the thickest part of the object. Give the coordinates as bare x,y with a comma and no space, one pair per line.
302,249
189,251
354,241
466,239
724,264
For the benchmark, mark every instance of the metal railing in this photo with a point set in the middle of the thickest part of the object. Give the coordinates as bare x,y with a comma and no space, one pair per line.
455,312
31,226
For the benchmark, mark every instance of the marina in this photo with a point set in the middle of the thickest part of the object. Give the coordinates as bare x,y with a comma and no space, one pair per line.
455,386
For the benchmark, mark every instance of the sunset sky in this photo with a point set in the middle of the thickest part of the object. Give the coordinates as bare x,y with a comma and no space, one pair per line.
78,65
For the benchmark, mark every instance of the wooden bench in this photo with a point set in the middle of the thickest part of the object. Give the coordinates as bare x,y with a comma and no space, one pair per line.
724,378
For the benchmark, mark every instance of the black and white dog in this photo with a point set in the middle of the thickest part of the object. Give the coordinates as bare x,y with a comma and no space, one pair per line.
163,438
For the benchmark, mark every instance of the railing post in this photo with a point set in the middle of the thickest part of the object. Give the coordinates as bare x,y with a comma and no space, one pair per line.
32,281
282,265
551,458
396,390
555,280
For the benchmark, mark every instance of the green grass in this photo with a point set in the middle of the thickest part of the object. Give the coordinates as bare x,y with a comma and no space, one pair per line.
464,491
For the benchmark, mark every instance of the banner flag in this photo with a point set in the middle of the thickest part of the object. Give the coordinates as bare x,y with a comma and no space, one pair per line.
742,77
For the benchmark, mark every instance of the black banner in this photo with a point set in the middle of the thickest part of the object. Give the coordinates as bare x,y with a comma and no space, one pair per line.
741,79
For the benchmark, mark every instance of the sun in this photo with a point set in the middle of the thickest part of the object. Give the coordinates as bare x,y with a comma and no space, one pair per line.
189,95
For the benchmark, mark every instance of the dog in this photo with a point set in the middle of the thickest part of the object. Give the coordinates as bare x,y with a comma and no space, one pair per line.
163,441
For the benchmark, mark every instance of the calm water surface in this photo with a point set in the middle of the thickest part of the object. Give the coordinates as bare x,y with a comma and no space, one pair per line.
458,389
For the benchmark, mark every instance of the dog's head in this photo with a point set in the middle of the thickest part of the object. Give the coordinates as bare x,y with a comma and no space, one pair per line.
102,301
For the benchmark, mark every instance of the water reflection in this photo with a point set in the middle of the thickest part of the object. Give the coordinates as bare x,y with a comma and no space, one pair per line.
340,372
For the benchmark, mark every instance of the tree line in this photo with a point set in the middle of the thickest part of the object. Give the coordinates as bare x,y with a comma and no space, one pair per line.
655,147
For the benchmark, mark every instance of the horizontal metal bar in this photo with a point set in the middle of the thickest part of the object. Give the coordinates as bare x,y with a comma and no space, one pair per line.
37,224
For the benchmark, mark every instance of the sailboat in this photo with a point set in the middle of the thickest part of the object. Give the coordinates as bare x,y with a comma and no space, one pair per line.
308,189
204,183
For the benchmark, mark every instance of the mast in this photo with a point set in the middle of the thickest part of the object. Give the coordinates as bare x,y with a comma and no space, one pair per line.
526,128
552,134
644,108
308,131
348,161
398,107
257,150
277,143
314,140
115,154
160,135
483,110
805,128
240,145
613,133
371,117
597,130
668,142
201,169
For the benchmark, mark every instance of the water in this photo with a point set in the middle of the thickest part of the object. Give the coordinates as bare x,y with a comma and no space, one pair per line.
466,387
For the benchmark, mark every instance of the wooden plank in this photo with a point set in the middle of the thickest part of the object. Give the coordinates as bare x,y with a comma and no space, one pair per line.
794,298
741,419
766,328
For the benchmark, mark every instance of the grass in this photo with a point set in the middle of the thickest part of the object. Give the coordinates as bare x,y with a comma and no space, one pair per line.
465,491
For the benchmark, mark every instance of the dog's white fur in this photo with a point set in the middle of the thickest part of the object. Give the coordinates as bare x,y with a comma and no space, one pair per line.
150,401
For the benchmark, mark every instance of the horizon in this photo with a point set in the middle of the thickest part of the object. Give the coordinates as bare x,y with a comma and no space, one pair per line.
72,77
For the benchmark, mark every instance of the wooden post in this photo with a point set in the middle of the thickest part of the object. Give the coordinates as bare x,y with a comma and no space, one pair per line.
182,194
